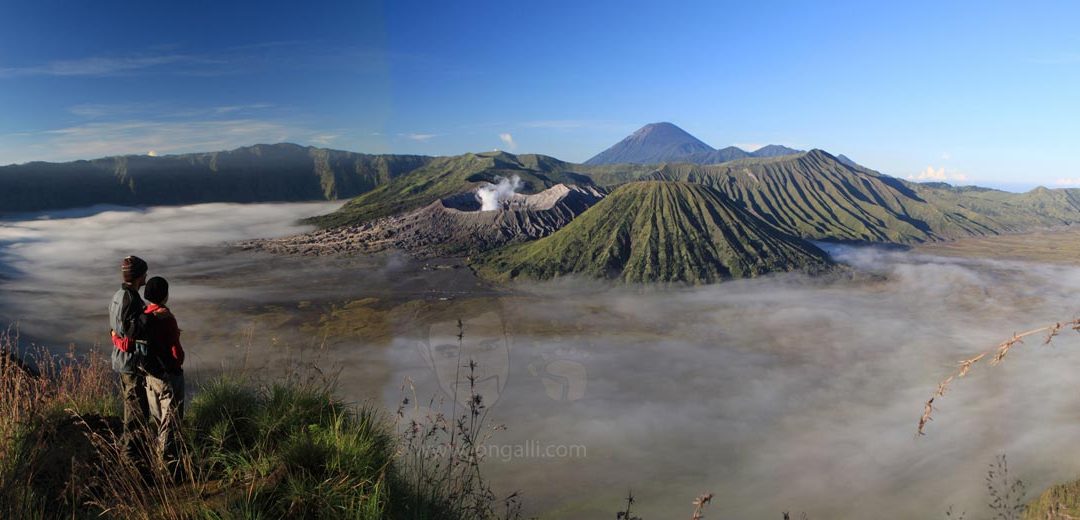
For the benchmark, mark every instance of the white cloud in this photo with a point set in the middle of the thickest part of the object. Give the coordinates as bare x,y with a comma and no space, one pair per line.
323,139
161,110
98,65
225,61
945,156
97,110
99,139
1068,181
508,140
241,108
420,138
939,174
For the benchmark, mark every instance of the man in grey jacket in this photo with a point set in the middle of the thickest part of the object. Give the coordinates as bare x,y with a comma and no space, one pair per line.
129,347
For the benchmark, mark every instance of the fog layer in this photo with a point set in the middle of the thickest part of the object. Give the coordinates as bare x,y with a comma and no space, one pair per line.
777,394
786,393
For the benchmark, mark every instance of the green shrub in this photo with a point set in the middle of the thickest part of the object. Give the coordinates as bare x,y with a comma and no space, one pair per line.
223,414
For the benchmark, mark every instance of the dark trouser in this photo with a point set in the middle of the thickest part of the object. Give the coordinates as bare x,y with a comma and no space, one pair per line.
136,413
165,396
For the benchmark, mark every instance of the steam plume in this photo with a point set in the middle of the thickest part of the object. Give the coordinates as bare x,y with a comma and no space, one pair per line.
491,195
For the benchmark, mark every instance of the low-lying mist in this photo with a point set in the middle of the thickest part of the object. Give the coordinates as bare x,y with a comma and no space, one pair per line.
793,394
784,393
61,266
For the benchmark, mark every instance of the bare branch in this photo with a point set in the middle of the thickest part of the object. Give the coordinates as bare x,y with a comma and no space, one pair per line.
999,354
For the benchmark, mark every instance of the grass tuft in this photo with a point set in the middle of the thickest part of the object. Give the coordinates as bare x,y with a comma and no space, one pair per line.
283,449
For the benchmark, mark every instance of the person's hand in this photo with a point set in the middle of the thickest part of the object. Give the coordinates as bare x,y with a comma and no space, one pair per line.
121,344
178,354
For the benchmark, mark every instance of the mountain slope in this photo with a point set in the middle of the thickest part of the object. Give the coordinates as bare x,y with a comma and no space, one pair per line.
774,150
453,226
652,144
722,155
447,176
1040,207
814,195
658,232
659,143
259,173
847,161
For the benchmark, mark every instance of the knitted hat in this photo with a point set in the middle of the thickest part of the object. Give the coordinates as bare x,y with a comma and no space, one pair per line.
132,267
157,290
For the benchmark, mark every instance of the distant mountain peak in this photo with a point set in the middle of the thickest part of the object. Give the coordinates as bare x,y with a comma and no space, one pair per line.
846,160
662,126
664,142
652,144
774,150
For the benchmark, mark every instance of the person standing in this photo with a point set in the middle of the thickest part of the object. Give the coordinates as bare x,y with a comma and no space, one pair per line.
128,338
164,373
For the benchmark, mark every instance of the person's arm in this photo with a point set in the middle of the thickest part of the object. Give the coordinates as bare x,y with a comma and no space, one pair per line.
129,315
176,348
135,322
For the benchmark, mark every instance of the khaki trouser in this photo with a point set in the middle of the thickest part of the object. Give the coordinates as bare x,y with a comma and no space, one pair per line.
136,413
166,400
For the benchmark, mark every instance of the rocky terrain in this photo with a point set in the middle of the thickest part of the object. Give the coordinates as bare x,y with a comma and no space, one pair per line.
451,226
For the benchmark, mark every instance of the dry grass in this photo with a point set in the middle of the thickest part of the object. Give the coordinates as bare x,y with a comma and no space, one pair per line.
699,503
1006,494
34,463
444,452
287,448
996,355
699,506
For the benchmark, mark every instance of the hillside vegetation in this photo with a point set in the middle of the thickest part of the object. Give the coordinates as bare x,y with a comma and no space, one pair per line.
260,173
446,176
252,449
816,196
658,232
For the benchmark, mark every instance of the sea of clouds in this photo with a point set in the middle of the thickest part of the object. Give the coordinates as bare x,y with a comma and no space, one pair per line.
784,393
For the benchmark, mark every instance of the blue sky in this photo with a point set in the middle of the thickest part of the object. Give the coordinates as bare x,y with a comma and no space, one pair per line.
970,92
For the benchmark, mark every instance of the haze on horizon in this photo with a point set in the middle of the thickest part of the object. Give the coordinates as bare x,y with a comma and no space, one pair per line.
966,93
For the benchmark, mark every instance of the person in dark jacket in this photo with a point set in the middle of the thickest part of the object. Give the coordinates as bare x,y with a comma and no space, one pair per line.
164,372
128,340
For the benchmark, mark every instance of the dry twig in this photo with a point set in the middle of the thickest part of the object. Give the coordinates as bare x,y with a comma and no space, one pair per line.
999,354
699,506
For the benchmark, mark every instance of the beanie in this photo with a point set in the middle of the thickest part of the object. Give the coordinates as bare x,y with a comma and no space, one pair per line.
157,290
132,267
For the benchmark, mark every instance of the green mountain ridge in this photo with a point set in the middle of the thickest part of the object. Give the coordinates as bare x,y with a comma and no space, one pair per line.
260,173
692,223
815,195
447,176
655,231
